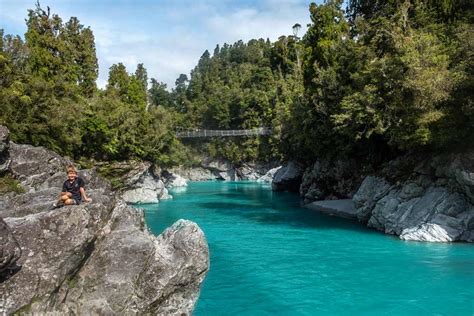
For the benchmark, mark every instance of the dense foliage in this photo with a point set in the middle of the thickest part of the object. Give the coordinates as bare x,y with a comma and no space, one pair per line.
48,96
396,75
242,86
382,78
385,77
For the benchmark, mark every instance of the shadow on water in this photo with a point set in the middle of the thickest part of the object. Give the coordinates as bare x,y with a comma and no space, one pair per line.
259,204
280,214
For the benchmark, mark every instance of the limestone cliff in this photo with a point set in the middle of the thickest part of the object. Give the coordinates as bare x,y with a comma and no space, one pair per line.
417,198
433,202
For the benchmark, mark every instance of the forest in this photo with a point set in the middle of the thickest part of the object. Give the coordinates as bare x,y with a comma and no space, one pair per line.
371,81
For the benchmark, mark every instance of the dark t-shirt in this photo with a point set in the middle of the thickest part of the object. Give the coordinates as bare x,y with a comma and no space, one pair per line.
74,188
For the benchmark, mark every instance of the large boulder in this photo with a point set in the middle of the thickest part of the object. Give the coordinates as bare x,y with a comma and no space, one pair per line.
78,261
288,178
146,190
433,203
41,174
93,258
37,168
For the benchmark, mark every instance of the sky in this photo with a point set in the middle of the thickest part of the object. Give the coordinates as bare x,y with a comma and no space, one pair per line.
167,36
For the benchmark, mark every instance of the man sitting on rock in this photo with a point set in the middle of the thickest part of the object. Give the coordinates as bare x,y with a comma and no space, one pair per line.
73,191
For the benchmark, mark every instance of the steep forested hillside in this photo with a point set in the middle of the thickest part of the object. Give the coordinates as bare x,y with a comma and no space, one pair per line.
383,78
370,82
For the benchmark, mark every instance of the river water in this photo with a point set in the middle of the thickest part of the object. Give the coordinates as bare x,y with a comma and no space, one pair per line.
269,256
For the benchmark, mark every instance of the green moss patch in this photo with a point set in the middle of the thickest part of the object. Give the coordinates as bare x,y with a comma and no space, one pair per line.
9,184
114,172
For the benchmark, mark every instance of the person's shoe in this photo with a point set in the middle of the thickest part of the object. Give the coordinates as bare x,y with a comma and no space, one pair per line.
56,205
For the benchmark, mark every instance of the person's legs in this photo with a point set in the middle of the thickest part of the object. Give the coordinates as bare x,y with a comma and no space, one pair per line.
62,200
70,201
66,196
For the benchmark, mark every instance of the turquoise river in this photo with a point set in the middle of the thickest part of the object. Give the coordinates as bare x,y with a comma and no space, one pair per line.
269,256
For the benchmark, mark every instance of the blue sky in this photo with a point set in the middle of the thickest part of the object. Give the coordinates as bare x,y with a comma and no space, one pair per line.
167,36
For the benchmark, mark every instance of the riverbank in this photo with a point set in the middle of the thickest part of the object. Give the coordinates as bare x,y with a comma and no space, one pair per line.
430,199
417,199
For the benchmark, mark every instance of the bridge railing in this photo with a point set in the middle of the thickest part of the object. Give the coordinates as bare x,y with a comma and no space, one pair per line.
223,133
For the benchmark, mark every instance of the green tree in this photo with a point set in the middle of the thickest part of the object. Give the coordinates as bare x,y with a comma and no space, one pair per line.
159,95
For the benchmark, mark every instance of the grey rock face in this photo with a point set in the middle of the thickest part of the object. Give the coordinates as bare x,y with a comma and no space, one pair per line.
210,170
428,232
458,170
195,174
269,175
288,178
94,258
41,173
247,172
36,167
10,251
434,204
371,190
4,145
221,169
165,195
147,190
73,263
328,179
256,172
141,184
339,208
173,180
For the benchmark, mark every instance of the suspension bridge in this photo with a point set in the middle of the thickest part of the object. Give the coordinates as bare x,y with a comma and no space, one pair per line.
223,133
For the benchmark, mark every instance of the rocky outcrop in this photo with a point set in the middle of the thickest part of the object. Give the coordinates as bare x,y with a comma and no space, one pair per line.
4,145
211,170
195,174
330,179
10,251
262,172
93,258
269,175
222,169
140,183
433,203
339,208
370,192
173,180
288,177
429,232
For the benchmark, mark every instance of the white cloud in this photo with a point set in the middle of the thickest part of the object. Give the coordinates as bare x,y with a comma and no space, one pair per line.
167,36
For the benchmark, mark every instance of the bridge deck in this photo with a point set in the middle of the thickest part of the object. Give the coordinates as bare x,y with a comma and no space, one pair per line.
224,133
